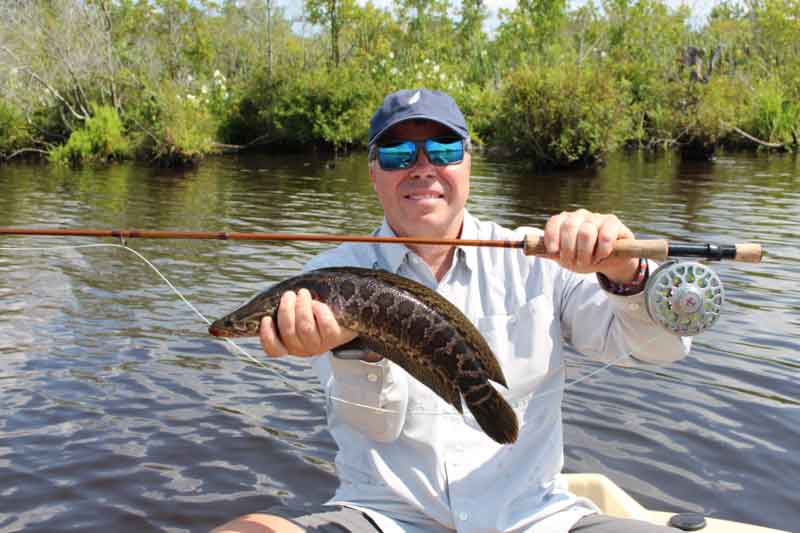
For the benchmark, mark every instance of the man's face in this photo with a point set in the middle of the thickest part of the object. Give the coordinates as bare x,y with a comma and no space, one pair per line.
424,200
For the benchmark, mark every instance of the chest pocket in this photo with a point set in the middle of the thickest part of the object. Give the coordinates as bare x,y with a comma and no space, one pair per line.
527,343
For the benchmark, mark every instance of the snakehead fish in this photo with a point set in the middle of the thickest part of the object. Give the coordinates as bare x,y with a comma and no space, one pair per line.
407,323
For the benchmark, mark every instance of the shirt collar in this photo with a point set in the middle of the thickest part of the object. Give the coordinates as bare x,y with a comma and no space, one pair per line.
469,231
391,256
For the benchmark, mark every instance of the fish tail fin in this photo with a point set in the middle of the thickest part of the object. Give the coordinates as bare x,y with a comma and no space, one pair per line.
493,413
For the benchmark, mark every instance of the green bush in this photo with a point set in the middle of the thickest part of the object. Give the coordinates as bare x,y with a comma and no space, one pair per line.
481,108
773,115
101,139
699,117
562,116
316,107
180,127
14,130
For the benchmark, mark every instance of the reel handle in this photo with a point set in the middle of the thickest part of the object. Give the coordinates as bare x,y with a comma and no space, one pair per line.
660,249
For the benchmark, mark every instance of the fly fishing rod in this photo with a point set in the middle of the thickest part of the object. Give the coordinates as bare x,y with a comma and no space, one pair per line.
657,249
685,297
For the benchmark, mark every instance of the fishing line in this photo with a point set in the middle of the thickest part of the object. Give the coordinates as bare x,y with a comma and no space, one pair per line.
174,289
536,396
278,374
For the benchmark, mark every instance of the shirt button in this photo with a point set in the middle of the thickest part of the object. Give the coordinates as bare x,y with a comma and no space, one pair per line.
633,307
463,516
372,378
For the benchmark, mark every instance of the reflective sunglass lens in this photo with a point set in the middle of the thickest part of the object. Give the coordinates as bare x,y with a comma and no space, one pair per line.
397,156
444,151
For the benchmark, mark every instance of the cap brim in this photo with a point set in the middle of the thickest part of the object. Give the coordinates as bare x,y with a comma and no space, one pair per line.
415,117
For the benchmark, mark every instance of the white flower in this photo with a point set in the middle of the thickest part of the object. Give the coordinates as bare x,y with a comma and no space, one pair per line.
391,55
204,89
419,75
435,69
189,78
394,71
218,74
191,98
442,76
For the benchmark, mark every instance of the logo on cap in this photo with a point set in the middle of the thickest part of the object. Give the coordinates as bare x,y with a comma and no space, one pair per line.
414,99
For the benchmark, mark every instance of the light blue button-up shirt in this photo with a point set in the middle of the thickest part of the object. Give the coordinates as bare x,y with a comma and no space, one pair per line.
410,460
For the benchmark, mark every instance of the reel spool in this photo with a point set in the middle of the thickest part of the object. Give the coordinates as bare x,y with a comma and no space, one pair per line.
684,297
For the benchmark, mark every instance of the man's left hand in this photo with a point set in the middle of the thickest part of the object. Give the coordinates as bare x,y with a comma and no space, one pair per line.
582,241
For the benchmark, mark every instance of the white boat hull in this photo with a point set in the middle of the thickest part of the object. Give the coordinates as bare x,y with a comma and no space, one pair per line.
616,502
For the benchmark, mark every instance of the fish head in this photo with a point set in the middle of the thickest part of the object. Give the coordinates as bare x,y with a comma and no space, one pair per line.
246,320
228,327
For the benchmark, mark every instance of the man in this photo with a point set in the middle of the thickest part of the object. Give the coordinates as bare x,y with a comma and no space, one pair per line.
408,461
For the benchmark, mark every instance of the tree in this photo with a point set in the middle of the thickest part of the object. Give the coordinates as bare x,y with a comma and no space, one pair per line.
335,14
472,40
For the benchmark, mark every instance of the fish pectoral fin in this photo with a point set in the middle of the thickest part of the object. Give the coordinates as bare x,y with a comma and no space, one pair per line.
353,350
355,344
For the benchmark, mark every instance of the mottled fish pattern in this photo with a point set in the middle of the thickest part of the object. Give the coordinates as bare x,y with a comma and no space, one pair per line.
405,322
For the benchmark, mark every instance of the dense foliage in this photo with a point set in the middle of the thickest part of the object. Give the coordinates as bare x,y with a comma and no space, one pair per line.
173,80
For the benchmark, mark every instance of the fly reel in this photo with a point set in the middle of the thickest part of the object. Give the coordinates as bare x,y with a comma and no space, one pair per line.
684,297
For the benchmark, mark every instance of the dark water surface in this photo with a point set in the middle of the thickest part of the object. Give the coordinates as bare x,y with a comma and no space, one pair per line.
118,411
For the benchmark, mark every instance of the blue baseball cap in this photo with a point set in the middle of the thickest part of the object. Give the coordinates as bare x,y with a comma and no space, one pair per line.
420,104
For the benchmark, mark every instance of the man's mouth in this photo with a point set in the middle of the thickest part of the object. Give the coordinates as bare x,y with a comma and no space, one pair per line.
424,196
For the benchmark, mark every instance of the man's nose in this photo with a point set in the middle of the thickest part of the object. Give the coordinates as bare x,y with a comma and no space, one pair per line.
423,166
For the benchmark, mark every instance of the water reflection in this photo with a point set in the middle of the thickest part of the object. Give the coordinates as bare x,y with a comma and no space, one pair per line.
119,410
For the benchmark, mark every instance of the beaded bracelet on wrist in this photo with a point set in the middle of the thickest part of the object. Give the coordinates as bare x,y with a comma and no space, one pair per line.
630,288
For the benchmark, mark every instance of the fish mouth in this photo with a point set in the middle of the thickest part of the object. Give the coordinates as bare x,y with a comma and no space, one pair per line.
214,330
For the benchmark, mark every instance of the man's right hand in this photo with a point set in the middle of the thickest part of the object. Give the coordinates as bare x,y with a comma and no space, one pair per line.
307,327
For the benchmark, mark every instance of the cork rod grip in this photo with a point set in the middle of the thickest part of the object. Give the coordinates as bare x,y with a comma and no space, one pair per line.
750,253
660,249
656,249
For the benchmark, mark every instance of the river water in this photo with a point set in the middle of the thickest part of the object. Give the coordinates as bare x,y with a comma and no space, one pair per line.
118,411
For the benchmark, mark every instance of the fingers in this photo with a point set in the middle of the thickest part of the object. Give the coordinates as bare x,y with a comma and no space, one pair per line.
580,240
270,341
329,329
305,327
306,335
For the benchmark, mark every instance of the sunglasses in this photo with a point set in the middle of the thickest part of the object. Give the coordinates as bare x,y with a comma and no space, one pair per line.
440,151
